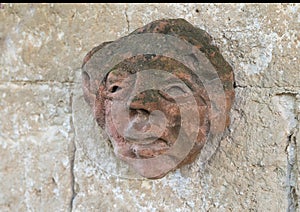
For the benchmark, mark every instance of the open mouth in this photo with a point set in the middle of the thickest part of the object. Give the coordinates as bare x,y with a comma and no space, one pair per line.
146,141
149,148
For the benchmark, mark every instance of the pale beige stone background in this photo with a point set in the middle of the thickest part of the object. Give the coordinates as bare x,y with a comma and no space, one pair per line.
43,167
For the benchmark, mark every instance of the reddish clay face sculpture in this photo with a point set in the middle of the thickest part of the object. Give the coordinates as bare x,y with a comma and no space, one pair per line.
159,109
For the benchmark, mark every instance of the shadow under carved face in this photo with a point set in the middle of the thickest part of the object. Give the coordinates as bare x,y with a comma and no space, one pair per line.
155,110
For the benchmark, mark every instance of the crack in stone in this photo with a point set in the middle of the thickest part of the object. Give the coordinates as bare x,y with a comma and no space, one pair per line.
292,172
266,87
38,82
292,162
288,103
72,157
127,20
73,83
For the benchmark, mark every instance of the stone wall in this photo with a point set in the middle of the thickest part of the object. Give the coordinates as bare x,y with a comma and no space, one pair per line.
43,167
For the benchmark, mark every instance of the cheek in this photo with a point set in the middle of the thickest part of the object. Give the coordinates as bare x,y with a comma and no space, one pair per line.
115,122
99,113
109,126
172,113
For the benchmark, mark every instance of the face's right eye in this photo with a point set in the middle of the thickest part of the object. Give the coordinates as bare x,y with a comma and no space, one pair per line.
119,84
114,89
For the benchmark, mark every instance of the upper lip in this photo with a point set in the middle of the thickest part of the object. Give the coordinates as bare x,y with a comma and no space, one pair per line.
144,141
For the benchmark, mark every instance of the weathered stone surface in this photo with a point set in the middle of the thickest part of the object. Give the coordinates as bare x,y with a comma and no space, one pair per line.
258,40
46,42
35,146
251,170
241,175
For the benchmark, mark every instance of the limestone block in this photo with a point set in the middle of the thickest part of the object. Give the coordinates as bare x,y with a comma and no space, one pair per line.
248,171
261,41
47,42
36,147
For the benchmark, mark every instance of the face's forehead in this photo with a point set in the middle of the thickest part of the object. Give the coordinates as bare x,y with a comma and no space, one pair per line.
160,65
116,75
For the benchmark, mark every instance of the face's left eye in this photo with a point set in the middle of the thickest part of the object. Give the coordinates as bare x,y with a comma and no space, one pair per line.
175,90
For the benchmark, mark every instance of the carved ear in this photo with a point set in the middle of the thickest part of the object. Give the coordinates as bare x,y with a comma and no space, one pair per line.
89,97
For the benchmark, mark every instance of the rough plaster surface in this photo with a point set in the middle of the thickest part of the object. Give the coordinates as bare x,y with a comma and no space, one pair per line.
42,165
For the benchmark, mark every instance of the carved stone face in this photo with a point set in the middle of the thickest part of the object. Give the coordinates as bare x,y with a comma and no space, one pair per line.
155,110
143,114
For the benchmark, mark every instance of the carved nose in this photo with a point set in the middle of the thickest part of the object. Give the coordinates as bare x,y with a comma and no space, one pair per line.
146,122
139,112
146,101
144,127
140,120
139,123
139,126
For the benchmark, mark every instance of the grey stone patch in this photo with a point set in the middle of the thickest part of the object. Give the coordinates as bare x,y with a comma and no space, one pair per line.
93,140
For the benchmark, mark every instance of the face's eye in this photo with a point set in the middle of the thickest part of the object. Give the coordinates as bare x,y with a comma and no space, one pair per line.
114,89
175,90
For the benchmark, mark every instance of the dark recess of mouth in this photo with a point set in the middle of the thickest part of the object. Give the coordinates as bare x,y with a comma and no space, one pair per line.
149,150
148,141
